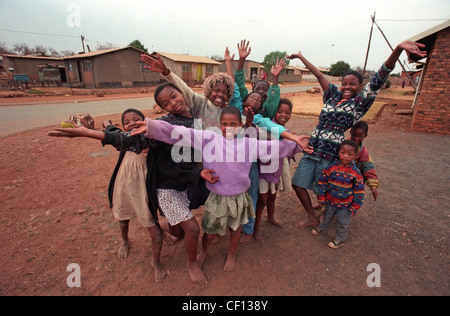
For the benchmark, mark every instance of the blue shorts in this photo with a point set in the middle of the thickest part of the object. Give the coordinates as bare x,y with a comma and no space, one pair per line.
308,172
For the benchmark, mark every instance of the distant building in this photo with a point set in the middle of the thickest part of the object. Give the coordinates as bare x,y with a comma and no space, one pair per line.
111,68
432,101
192,69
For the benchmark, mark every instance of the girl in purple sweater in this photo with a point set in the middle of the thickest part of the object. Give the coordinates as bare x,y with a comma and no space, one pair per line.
229,205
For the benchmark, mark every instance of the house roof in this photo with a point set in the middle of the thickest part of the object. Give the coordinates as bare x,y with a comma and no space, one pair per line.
188,58
33,57
102,52
430,32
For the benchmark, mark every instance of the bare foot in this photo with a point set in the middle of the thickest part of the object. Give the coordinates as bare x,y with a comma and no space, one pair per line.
169,239
229,265
201,258
196,273
246,239
310,222
258,235
124,250
160,272
275,222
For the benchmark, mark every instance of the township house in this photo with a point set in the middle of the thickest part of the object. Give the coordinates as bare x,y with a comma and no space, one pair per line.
432,101
112,68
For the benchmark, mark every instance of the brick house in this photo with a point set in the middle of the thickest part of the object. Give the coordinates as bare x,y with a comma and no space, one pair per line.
431,104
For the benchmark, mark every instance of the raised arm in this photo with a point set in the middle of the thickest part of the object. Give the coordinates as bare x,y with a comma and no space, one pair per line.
324,82
412,49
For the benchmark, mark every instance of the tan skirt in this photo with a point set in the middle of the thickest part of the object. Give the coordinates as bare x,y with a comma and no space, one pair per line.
130,198
226,211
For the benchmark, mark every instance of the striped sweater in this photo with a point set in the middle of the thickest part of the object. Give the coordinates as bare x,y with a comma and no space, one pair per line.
341,186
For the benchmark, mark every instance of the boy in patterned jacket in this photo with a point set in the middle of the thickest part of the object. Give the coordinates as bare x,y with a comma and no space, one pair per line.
364,161
341,189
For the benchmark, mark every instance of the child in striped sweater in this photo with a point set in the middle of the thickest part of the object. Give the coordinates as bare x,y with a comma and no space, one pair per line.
341,189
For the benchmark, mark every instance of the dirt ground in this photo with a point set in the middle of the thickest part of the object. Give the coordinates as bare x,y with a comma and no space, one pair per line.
54,212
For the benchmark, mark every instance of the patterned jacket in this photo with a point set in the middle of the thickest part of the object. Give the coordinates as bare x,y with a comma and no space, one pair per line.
341,186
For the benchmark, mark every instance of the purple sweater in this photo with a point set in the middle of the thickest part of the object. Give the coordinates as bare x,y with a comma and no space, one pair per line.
231,159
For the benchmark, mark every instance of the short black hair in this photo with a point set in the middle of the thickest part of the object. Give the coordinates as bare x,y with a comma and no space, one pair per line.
361,125
349,142
354,73
231,110
133,111
160,88
285,101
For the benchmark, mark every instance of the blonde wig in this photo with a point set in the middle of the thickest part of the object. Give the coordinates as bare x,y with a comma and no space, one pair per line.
220,78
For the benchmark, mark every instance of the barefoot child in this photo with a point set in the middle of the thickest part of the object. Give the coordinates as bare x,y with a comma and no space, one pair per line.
269,183
128,193
341,189
229,205
342,109
364,161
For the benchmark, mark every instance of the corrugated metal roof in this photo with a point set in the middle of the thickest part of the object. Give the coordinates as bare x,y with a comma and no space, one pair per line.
188,58
101,52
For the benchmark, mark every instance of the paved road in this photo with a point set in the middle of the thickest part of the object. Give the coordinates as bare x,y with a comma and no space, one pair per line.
17,118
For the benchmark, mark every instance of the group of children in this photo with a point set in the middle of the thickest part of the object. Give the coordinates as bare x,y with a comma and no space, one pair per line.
229,150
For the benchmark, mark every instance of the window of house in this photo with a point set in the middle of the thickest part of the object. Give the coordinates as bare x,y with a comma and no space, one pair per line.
209,70
187,72
88,65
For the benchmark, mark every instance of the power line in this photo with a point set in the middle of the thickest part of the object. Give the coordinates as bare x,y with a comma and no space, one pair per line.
413,20
36,33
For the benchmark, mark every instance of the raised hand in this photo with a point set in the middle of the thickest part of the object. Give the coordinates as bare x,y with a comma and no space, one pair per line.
155,64
278,67
227,56
244,49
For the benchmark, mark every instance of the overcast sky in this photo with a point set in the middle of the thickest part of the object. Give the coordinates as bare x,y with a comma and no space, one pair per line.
326,31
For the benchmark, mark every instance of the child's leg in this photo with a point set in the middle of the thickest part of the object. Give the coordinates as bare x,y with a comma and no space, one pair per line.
157,241
271,198
125,247
343,216
262,202
330,212
231,257
191,232
206,243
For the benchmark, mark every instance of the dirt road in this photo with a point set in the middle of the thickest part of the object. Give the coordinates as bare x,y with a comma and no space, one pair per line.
54,212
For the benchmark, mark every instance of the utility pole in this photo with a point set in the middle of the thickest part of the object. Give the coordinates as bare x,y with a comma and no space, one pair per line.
82,42
370,40
401,64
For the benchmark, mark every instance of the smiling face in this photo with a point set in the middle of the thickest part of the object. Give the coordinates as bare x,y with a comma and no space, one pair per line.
283,114
129,121
172,100
219,95
350,86
253,100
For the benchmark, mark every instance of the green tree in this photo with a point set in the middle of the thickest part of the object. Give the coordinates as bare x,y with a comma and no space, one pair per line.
339,69
272,58
137,44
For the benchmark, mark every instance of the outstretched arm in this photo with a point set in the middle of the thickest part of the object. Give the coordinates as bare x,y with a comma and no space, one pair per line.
228,60
276,70
77,132
412,49
324,83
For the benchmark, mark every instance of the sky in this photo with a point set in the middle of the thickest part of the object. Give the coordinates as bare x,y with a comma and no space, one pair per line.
325,31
